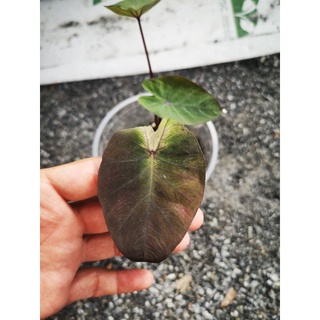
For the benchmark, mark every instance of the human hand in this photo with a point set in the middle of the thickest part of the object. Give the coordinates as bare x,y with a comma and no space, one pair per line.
73,233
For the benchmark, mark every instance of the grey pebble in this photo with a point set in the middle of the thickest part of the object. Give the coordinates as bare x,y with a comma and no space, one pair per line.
207,315
234,313
171,276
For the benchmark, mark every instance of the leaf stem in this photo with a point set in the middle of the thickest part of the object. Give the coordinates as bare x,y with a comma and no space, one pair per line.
157,120
145,48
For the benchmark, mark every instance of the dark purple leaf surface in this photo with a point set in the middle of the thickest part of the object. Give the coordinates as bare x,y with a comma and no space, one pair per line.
150,187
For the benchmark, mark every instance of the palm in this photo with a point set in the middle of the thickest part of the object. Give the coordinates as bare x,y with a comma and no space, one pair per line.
61,251
73,231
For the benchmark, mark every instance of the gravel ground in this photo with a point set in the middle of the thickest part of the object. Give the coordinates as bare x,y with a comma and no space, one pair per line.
236,251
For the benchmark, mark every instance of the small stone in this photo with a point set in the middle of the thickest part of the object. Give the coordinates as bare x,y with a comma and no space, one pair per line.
213,277
196,308
118,309
171,276
135,310
209,292
183,284
272,295
217,296
225,251
229,297
62,113
207,315
245,131
167,290
234,313
250,232
254,284
274,277
214,223
80,311
236,272
169,303
196,255
147,303
154,290
213,238
223,265
201,291
219,314
178,297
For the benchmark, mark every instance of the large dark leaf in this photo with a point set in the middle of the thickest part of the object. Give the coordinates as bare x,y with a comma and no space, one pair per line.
150,187
180,99
132,8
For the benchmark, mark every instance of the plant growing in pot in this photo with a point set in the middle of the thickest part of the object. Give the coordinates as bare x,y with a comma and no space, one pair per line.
152,178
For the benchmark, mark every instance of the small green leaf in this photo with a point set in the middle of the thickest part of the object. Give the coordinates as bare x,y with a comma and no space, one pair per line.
150,185
180,99
132,8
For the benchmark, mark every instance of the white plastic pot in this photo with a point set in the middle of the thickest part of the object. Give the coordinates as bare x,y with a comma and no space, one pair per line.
129,114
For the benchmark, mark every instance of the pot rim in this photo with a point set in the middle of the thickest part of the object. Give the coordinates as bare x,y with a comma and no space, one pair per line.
110,114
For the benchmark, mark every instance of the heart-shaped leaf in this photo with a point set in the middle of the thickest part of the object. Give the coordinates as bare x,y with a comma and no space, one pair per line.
180,99
132,8
150,186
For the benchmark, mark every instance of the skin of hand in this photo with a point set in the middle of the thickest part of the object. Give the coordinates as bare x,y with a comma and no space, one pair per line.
73,231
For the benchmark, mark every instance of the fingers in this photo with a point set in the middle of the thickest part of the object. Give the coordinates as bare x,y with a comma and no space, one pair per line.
76,180
183,244
99,247
91,214
196,224
197,221
96,282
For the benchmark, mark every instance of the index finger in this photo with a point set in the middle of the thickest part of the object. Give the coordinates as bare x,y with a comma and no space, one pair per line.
74,181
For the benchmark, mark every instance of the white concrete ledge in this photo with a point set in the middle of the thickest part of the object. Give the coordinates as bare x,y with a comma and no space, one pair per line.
82,42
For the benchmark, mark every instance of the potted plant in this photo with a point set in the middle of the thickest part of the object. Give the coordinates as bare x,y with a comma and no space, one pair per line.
152,178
